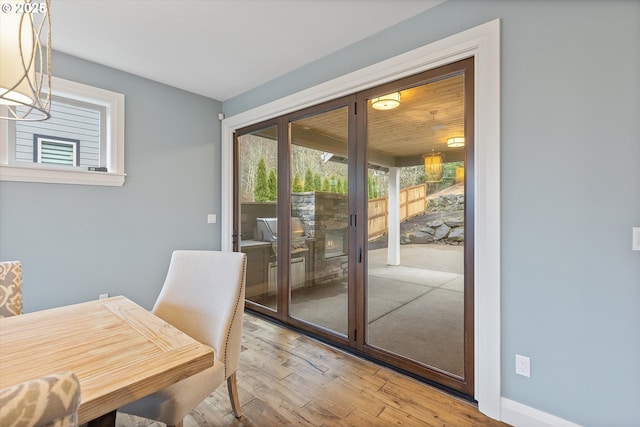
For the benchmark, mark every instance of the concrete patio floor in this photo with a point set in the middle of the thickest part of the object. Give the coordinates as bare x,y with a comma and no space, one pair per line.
415,309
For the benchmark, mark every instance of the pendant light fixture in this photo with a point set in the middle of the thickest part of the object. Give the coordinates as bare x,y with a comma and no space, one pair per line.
386,102
25,64
433,161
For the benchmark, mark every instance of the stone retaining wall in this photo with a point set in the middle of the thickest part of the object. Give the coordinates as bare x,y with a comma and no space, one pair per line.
449,230
448,203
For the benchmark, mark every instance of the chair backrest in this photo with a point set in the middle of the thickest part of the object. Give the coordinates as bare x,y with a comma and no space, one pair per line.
51,401
203,296
10,288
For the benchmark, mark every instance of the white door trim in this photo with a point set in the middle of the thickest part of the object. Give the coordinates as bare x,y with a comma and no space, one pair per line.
483,43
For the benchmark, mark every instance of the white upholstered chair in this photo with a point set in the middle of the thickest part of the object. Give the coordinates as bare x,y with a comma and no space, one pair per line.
50,401
203,296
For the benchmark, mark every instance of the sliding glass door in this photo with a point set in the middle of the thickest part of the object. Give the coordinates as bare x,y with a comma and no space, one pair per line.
357,218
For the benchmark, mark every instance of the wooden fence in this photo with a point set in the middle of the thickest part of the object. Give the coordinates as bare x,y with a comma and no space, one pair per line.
413,202
378,217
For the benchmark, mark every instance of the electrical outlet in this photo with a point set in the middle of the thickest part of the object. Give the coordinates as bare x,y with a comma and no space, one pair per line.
523,366
103,296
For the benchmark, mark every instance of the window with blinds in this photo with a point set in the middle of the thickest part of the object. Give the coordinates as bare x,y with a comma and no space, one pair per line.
71,137
81,143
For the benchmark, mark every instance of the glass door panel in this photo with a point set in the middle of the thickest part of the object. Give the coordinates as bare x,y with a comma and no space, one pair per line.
319,225
257,191
416,223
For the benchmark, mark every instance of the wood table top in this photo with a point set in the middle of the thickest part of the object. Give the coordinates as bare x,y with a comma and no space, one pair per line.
119,351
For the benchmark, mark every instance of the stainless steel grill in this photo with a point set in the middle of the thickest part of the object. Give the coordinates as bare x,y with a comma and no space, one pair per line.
267,231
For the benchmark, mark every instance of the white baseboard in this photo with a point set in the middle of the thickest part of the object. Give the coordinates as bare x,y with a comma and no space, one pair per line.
519,415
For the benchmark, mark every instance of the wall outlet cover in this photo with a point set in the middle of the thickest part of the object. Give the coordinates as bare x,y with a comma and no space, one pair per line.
523,366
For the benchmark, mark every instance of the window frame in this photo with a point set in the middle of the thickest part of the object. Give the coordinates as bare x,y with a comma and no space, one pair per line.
113,103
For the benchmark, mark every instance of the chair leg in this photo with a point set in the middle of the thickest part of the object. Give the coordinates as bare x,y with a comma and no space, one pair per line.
232,387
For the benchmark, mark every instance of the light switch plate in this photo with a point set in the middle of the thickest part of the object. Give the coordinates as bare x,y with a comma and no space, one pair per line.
636,239
211,218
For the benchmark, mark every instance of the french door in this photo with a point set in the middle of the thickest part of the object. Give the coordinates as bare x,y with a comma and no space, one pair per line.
356,216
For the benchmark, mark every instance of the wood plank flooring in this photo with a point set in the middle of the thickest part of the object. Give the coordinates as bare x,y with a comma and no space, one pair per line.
288,379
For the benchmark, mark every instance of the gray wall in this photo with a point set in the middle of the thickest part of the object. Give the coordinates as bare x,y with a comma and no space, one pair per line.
570,190
118,240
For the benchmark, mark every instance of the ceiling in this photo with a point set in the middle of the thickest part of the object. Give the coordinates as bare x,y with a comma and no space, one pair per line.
218,48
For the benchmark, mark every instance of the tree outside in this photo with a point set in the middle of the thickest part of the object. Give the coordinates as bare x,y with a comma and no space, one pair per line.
297,186
272,183
261,191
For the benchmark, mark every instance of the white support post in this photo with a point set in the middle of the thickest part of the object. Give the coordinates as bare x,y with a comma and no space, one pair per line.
393,245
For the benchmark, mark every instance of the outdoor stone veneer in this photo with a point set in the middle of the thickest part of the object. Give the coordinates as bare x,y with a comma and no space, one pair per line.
322,213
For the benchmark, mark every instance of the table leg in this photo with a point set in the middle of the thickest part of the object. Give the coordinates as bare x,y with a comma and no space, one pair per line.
106,420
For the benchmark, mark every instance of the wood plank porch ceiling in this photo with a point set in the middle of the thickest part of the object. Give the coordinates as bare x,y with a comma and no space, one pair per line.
397,137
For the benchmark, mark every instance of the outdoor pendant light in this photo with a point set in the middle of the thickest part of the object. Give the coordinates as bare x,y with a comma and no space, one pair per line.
25,65
433,167
433,161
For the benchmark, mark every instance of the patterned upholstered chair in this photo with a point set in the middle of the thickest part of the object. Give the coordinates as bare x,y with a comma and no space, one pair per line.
10,288
203,296
51,401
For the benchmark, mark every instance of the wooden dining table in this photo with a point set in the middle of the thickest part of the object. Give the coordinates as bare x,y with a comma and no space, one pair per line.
119,351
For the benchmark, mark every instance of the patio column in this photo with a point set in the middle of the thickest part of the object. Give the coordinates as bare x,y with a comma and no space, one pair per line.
393,208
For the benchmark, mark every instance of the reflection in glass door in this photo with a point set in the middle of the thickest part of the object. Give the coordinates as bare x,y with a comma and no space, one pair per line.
319,227
257,193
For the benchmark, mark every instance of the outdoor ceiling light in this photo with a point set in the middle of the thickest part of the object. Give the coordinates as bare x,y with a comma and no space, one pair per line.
386,102
456,141
25,65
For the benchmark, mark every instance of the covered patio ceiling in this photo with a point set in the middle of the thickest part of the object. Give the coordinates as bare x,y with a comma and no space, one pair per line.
427,116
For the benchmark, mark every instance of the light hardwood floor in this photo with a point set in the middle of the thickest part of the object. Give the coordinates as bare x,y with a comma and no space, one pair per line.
288,379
